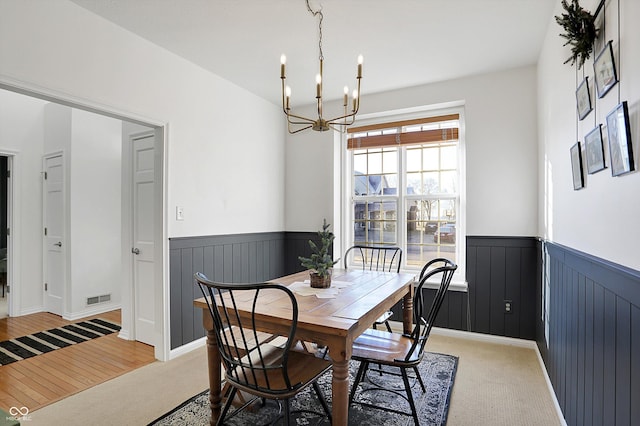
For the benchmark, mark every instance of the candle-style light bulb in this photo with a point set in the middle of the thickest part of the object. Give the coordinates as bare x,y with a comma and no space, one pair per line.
355,99
318,85
346,95
360,60
283,61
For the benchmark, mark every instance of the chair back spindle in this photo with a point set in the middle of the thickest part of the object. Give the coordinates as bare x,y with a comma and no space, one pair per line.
374,258
247,362
423,323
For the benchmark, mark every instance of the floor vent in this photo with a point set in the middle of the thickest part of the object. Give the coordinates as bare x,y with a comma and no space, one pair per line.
98,299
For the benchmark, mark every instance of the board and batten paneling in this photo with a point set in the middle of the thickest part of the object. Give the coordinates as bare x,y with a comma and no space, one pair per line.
503,269
498,269
225,258
593,352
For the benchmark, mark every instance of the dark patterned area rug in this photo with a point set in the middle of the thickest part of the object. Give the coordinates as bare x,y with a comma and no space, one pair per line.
28,346
437,370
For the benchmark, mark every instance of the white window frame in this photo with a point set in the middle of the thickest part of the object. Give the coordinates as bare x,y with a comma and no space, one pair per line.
345,215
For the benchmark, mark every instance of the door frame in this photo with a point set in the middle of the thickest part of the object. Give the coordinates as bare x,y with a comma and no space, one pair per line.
13,223
161,256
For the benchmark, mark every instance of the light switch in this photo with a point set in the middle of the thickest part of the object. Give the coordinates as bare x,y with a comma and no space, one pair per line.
179,213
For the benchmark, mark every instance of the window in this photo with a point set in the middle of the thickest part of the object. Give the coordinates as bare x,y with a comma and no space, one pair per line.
405,188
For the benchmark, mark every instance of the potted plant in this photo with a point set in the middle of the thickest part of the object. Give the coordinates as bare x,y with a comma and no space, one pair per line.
320,262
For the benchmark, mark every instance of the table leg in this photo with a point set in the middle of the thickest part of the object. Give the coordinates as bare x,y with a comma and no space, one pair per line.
213,357
407,311
340,393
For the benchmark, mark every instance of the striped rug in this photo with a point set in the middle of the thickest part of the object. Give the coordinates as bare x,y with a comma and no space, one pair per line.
28,346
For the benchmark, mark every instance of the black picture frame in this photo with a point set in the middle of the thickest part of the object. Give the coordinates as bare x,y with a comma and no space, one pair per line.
594,150
576,166
599,22
604,70
583,99
620,145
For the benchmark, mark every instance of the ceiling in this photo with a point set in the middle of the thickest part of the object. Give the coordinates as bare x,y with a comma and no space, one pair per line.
404,42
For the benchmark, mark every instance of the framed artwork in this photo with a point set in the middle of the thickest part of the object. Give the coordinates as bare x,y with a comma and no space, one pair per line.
576,166
583,99
620,146
599,23
594,149
604,70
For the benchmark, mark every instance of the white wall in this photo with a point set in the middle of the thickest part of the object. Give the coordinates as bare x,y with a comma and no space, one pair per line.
225,149
602,218
95,212
501,135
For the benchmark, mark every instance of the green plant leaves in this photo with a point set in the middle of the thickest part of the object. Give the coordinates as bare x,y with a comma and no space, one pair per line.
580,31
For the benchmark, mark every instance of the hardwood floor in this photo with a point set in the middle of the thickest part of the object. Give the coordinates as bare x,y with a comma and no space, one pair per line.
43,379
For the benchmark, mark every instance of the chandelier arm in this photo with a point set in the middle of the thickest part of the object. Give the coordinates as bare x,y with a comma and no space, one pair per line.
296,131
332,127
342,124
342,117
306,120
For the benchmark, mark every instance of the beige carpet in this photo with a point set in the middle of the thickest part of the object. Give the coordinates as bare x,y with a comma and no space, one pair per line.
495,385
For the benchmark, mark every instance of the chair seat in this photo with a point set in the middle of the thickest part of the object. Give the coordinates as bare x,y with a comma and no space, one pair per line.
262,336
383,347
302,368
384,317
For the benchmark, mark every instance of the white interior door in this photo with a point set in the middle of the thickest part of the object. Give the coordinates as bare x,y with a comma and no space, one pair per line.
143,249
54,250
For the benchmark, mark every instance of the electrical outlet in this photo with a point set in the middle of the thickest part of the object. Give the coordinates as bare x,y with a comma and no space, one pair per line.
508,306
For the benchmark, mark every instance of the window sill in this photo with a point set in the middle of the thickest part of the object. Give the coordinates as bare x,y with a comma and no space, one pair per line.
456,285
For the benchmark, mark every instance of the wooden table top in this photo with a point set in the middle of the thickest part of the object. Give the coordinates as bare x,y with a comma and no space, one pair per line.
353,310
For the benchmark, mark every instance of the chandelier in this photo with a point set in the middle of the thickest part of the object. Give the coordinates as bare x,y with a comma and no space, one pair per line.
321,124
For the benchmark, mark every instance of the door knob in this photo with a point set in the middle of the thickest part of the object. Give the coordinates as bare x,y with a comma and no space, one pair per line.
135,250
59,244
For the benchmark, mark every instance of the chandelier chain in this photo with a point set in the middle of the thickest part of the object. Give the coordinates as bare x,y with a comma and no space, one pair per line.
320,18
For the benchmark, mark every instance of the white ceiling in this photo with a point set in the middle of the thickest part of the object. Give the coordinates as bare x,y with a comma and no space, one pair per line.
404,42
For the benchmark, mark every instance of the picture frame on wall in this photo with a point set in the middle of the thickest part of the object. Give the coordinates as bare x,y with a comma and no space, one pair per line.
599,23
594,150
576,166
620,146
604,70
583,99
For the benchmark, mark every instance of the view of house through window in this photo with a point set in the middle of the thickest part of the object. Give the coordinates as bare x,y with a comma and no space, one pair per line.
405,187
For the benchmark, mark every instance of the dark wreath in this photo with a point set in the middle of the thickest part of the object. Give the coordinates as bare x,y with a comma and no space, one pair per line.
580,31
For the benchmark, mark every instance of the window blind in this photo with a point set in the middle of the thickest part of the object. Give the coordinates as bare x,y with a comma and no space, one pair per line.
374,136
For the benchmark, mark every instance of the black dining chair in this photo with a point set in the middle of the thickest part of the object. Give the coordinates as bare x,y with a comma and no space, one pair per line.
401,351
262,369
375,258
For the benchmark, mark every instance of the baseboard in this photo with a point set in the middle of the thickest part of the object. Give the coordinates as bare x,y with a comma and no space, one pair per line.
487,338
556,404
29,311
93,311
181,350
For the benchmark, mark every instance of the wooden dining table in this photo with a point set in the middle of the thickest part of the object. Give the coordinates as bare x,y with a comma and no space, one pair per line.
333,322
